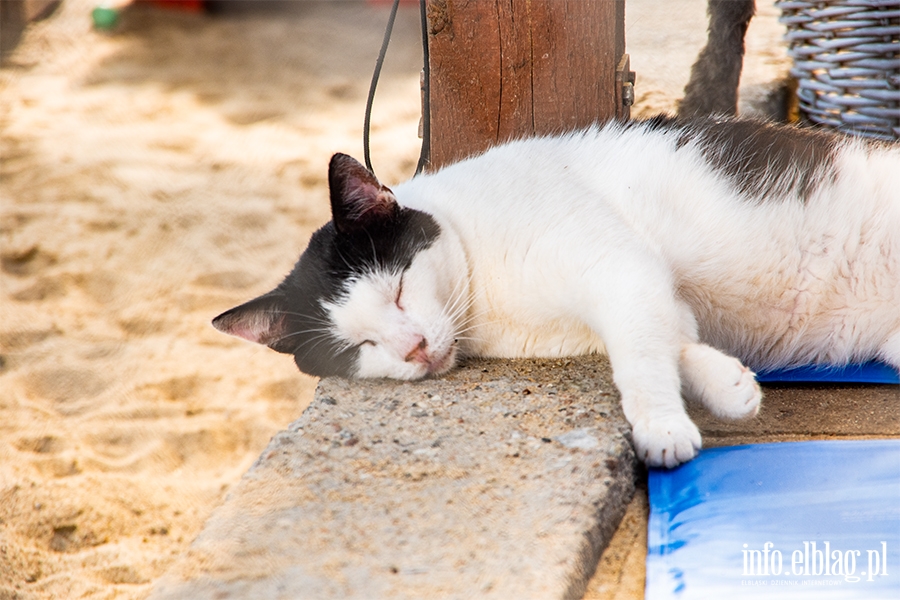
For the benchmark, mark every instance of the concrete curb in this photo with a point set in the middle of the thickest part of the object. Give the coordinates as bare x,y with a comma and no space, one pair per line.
502,480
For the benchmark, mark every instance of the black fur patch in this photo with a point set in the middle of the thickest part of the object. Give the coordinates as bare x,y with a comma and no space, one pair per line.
321,275
759,158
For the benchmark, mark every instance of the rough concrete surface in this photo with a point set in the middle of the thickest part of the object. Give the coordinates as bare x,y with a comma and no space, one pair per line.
502,480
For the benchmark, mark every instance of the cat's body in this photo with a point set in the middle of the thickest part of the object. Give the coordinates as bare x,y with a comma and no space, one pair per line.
654,242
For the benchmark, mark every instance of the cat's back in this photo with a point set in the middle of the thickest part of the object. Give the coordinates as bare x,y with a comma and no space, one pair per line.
657,159
751,195
665,177
768,231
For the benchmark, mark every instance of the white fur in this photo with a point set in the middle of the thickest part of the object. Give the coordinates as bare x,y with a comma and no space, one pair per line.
611,241
374,313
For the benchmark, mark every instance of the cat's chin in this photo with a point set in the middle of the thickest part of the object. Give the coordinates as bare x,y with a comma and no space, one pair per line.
441,364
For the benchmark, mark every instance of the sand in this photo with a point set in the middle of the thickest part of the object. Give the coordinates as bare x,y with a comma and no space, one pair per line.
153,177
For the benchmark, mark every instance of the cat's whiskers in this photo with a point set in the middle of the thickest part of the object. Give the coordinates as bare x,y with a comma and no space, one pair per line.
305,316
458,307
460,300
347,263
472,323
324,324
315,342
466,338
474,326
321,336
470,318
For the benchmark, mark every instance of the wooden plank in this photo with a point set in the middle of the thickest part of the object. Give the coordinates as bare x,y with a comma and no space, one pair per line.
509,68
516,111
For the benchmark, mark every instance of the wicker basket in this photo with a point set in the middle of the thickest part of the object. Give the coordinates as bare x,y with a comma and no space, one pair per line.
847,63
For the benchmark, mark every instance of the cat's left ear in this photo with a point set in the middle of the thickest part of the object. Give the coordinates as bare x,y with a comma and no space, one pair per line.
260,320
358,199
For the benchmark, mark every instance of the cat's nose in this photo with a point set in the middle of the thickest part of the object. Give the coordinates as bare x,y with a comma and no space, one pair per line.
418,353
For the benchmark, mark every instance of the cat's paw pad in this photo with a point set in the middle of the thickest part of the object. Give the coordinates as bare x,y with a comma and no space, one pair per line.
666,441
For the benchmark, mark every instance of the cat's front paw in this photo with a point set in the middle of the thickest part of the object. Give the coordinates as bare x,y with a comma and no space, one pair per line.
740,395
667,441
721,382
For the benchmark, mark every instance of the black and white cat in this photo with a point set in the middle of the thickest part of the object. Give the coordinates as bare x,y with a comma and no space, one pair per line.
673,247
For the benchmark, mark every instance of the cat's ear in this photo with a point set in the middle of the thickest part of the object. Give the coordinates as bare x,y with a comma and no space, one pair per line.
358,200
260,320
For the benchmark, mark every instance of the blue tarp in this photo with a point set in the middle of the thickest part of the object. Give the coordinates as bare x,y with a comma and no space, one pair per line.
794,520
870,372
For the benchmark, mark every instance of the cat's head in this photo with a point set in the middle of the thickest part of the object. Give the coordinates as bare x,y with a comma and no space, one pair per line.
371,295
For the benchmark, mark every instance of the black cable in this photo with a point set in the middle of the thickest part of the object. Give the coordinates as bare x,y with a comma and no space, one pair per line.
375,75
425,153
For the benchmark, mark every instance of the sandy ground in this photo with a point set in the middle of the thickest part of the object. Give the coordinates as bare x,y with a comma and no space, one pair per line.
152,178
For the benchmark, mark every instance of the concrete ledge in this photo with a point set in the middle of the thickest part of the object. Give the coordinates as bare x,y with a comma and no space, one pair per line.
501,480
809,411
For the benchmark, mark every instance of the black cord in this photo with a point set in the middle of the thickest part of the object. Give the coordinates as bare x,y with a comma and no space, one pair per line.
426,109
425,153
375,75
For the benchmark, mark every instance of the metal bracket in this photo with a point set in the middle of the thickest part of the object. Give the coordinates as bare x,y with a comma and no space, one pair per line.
625,78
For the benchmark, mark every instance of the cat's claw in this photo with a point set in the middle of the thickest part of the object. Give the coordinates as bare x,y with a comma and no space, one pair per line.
666,442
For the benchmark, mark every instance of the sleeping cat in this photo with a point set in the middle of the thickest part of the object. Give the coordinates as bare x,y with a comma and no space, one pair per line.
672,246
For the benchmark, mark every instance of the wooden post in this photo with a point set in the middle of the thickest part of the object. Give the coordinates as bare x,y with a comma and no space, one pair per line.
501,69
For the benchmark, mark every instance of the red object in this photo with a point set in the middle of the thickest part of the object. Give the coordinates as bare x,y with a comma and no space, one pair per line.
186,5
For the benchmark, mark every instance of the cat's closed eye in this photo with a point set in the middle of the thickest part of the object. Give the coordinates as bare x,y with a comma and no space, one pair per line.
399,292
367,343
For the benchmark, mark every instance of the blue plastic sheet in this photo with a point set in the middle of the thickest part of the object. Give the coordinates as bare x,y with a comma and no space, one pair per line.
797,520
870,372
